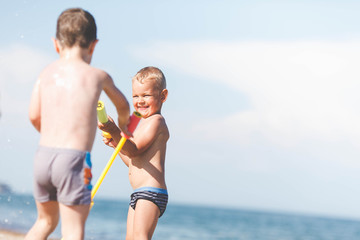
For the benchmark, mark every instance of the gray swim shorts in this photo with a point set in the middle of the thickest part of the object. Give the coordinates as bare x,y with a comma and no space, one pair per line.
62,175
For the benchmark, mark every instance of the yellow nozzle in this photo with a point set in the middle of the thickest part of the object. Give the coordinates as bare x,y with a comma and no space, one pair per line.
106,135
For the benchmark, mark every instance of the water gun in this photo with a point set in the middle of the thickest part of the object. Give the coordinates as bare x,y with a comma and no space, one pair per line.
103,118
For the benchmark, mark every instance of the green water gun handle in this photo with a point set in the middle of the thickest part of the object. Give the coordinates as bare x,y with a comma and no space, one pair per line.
102,116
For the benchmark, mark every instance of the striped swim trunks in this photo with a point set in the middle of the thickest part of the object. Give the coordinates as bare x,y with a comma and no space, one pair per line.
158,196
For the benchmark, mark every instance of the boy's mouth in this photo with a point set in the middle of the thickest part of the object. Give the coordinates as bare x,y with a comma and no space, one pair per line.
142,108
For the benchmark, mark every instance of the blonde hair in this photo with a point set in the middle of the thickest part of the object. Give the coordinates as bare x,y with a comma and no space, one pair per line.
151,73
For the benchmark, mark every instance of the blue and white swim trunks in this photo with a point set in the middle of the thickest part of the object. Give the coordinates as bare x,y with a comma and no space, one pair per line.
158,196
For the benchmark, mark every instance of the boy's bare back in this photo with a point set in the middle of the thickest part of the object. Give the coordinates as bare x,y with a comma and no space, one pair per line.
68,91
64,100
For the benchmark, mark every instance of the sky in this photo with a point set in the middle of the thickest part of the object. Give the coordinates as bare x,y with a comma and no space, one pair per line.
263,97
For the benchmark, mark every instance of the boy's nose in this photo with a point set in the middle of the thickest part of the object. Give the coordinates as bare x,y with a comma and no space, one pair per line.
140,100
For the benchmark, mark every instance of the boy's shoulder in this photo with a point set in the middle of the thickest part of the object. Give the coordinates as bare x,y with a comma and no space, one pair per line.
84,72
156,118
101,72
156,121
70,65
88,70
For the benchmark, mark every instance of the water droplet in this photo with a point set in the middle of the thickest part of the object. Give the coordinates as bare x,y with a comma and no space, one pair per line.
6,220
22,36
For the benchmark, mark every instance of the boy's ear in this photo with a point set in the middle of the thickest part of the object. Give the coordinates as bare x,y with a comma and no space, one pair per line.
92,46
163,95
56,45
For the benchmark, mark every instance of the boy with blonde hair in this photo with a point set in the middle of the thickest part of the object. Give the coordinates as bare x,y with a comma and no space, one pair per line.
144,154
63,110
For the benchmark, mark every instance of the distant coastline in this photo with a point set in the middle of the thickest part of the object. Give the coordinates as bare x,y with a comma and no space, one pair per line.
5,189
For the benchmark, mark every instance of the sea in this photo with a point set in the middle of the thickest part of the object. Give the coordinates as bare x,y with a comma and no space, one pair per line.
107,221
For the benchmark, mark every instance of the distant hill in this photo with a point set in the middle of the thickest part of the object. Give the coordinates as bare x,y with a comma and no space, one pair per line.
4,188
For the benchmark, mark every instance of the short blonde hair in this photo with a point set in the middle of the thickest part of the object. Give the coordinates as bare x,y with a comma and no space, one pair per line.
151,73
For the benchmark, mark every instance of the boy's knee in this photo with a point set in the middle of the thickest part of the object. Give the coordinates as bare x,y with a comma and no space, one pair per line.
74,235
48,224
141,236
52,223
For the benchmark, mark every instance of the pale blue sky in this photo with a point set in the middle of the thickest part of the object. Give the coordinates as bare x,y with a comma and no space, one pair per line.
263,96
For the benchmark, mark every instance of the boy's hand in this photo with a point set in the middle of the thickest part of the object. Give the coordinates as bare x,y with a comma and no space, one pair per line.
124,127
111,128
109,141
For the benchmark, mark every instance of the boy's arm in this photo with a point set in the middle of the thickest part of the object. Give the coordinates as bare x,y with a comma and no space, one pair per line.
120,102
111,128
35,107
145,136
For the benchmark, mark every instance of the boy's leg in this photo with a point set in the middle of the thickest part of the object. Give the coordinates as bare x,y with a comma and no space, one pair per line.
145,219
46,222
73,220
130,224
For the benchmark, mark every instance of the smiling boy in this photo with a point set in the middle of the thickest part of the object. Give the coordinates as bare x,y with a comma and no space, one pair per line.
144,154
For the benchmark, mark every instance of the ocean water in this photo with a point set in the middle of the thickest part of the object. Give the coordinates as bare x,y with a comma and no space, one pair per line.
107,221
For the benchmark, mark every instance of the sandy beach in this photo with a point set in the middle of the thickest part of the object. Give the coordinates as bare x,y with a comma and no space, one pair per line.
4,234
10,235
